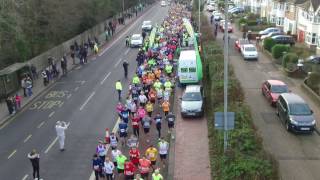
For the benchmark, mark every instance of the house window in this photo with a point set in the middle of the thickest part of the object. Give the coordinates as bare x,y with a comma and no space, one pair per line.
280,21
308,37
319,41
291,8
314,38
317,19
273,19
281,7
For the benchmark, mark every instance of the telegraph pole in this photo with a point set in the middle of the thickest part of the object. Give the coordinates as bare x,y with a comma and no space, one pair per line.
226,63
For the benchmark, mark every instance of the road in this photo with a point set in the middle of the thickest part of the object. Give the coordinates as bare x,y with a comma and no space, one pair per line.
86,98
298,155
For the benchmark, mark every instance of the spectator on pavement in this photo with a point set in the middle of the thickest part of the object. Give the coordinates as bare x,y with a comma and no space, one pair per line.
18,99
29,86
119,89
10,105
35,162
23,86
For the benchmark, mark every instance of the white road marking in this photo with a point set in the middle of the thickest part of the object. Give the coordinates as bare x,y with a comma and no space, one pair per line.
51,114
69,96
105,78
86,102
25,177
13,152
41,124
118,62
127,51
76,89
27,138
114,130
50,146
129,28
82,82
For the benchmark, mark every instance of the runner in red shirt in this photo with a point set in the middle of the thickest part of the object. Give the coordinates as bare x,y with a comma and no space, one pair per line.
135,124
144,167
134,155
129,169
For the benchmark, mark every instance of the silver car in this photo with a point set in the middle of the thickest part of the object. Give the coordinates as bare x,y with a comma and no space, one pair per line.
192,102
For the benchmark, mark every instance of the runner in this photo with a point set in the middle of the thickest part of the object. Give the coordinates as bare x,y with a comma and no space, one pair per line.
121,159
152,95
171,119
142,99
101,151
108,169
125,114
151,154
123,127
97,165
144,167
146,126
119,108
156,175
138,177
135,124
133,141
134,155
149,108
165,107
113,141
114,154
163,150
158,120
129,169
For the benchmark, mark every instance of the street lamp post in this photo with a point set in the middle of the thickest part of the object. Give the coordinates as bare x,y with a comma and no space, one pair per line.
226,62
199,15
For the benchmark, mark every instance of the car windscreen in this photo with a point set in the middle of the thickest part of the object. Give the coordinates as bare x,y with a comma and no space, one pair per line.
299,109
147,23
135,37
191,96
250,49
279,89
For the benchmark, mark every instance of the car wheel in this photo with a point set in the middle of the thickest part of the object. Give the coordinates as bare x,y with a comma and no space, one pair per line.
287,126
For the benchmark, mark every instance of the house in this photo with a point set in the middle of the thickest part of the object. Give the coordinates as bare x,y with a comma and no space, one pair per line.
255,6
308,23
277,13
265,8
291,15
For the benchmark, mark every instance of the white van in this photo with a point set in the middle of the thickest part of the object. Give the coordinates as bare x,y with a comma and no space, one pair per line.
187,67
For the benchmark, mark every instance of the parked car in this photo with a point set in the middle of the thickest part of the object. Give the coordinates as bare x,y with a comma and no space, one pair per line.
230,28
163,3
210,8
236,10
136,40
269,30
283,39
270,35
146,26
192,101
313,59
271,89
295,113
249,51
239,43
217,16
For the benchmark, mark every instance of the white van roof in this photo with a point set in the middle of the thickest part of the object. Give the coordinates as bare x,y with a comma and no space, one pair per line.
188,55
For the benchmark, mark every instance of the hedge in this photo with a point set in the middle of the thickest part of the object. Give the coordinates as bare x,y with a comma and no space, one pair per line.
278,50
268,43
289,58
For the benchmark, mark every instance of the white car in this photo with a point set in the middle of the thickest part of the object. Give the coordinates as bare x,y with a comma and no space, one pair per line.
210,8
146,26
192,101
136,40
163,3
217,16
249,51
270,35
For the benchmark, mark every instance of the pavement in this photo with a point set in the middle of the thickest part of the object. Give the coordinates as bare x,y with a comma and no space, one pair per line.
191,147
86,98
297,155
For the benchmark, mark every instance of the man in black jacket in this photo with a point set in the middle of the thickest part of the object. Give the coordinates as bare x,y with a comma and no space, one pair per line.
35,161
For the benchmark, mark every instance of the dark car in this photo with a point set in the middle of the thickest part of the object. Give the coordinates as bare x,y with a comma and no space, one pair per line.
295,113
314,59
283,39
271,89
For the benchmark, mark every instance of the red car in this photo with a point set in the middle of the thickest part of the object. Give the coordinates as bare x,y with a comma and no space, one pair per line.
239,43
271,89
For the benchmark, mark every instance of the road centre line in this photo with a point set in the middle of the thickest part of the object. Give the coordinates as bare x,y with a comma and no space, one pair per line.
121,35
41,124
27,138
127,51
114,130
76,89
69,96
13,152
51,114
118,62
25,177
50,146
105,78
86,102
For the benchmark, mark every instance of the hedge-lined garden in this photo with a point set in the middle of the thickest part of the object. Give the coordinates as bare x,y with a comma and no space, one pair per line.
245,158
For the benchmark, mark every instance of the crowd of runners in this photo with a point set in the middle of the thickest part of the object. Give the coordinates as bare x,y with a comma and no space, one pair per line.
146,107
